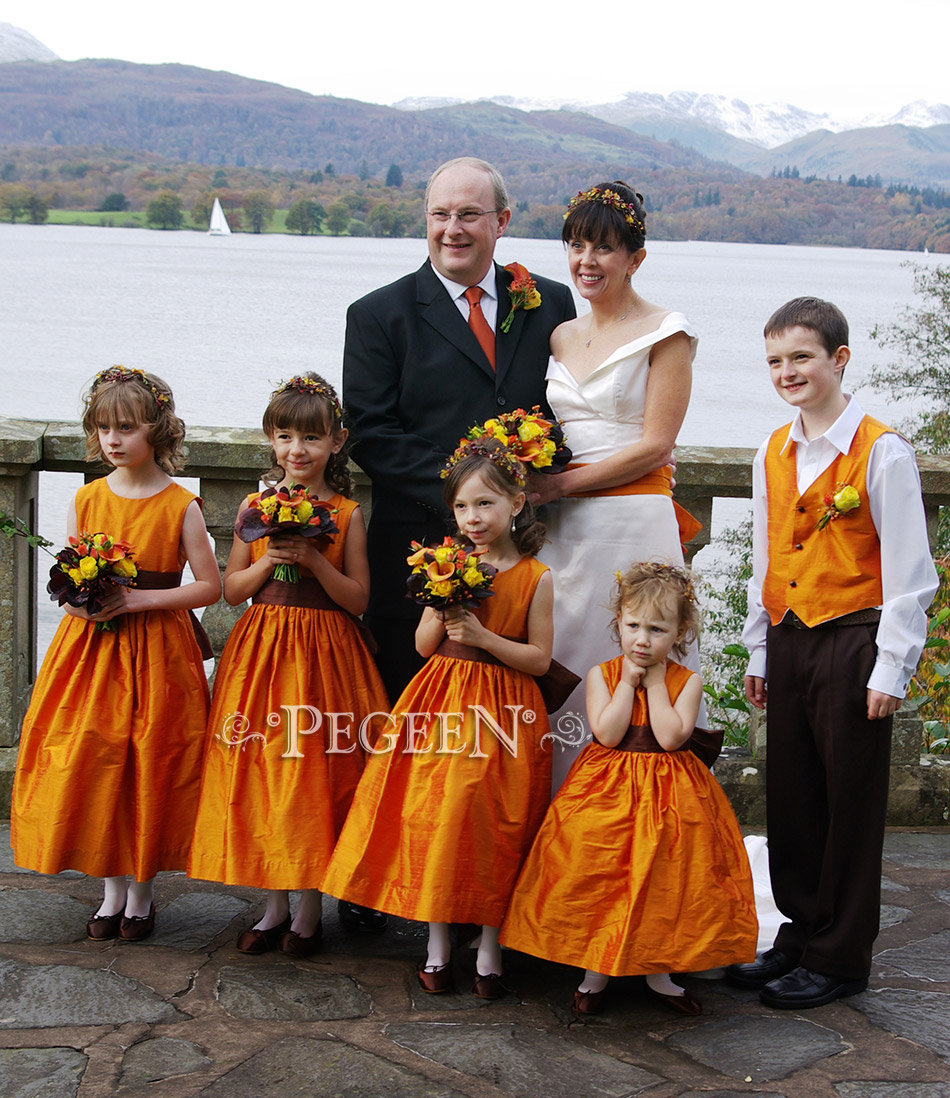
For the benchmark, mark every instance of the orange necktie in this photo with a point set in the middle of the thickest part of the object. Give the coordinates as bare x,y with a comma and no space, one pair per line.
478,323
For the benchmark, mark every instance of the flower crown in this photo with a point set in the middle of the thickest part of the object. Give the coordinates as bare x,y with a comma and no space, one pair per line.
677,578
310,386
514,441
126,373
607,197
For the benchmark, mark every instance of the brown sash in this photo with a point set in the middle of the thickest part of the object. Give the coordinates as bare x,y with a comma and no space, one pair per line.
555,685
308,593
165,581
704,744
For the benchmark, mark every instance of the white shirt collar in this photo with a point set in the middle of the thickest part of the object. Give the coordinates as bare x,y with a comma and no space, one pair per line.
840,434
457,289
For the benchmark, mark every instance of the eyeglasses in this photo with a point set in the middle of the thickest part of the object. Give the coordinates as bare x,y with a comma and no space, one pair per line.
467,217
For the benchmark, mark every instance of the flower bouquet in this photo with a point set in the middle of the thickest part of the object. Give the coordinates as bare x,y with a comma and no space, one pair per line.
448,575
86,569
285,511
538,443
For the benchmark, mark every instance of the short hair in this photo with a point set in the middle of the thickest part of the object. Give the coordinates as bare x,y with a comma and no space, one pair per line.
601,223
662,587
498,184
811,312
134,397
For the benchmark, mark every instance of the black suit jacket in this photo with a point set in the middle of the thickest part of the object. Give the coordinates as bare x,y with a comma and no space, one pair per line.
414,380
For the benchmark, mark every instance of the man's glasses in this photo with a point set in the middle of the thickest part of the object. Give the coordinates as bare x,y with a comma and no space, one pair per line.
467,217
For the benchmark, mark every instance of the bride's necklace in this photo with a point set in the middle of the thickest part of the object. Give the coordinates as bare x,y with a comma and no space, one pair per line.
611,323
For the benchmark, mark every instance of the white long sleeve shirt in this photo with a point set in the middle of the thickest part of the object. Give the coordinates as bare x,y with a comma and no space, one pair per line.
908,576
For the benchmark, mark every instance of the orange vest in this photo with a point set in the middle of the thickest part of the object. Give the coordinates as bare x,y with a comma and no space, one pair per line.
820,574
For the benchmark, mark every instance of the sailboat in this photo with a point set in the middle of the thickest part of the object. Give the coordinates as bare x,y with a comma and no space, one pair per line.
219,223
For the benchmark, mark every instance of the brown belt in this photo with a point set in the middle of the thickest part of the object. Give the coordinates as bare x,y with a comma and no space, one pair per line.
704,743
556,684
165,581
308,593
871,616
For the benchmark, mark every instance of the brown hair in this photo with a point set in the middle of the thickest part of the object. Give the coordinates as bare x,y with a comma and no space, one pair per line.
601,223
120,395
529,531
309,404
659,587
824,318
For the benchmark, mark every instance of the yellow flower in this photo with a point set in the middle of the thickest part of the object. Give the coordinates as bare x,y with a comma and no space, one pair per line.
88,568
125,567
75,575
846,499
440,588
285,514
529,429
305,511
473,578
532,300
269,505
444,553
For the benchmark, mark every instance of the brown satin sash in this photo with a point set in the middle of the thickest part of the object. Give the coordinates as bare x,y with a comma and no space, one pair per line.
705,744
555,685
657,483
165,581
310,594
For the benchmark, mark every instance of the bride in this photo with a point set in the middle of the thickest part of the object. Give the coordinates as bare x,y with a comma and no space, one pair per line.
619,378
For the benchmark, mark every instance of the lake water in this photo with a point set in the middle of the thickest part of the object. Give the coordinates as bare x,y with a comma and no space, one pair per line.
223,319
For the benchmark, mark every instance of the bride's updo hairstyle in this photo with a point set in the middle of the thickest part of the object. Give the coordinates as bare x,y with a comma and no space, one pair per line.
608,213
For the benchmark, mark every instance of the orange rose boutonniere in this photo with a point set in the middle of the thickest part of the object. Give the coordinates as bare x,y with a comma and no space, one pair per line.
523,292
839,502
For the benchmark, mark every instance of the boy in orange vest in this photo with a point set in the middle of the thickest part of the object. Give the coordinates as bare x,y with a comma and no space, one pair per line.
842,577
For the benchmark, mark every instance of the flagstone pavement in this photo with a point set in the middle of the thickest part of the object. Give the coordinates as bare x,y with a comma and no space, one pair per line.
184,1013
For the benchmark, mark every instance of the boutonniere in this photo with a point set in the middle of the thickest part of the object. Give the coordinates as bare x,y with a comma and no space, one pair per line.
523,292
839,502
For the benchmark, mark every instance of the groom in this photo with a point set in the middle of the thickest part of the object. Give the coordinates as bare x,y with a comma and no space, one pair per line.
425,359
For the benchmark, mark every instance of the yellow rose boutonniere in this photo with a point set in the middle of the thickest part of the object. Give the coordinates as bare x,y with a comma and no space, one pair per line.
841,501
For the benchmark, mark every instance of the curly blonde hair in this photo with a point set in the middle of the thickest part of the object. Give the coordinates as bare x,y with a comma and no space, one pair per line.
658,587
121,395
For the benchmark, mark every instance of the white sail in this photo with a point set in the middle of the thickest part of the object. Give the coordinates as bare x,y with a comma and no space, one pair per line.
219,223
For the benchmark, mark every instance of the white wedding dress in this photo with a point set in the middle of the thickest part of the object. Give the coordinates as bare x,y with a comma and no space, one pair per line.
591,539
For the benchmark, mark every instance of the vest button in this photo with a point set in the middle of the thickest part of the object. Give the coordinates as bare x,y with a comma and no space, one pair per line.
792,583
501,402
799,546
801,510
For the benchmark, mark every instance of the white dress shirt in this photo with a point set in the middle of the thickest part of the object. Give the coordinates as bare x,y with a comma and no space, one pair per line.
908,577
489,301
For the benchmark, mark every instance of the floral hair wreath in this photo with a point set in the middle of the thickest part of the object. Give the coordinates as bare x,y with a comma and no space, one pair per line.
607,197
489,447
678,578
514,441
125,373
310,386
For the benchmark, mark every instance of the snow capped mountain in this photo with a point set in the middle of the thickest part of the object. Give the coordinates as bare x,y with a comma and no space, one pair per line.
767,125
17,44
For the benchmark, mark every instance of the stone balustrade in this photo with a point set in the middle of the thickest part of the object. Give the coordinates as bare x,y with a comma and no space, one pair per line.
227,462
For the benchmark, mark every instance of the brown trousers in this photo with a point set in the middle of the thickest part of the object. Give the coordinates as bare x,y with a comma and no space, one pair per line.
827,777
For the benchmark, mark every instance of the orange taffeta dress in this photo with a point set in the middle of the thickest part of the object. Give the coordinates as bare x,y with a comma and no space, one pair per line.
442,822
639,865
110,752
271,810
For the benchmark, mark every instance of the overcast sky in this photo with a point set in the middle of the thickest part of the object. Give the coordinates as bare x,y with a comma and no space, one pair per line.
848,59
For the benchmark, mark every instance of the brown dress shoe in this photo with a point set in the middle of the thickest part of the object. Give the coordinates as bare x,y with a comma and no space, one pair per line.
295,945
134,928
262,941
489,987
434,979
682,1004
103,928
588,1002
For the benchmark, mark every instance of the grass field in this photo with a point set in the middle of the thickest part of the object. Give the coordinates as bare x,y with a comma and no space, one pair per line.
129,219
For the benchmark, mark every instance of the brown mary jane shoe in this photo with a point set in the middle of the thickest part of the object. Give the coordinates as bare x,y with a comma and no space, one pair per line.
434,980
103,928
262,941
135,928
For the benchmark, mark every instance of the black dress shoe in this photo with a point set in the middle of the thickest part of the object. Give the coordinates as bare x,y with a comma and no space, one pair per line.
363,919
802,989
772,965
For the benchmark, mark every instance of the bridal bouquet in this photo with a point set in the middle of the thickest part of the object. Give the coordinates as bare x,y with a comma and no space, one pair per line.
285,511
449,574
538,443
87,568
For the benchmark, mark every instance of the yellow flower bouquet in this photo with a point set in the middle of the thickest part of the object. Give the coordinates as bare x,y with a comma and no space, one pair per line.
449,574
87,568
285,511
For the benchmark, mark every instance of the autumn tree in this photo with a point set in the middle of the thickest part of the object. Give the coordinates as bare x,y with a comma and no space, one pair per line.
13,201
338,218
305,216
201,210
165,211
114,203
36,210
259,210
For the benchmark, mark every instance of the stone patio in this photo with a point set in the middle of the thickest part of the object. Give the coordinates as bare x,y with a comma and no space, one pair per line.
185,1014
